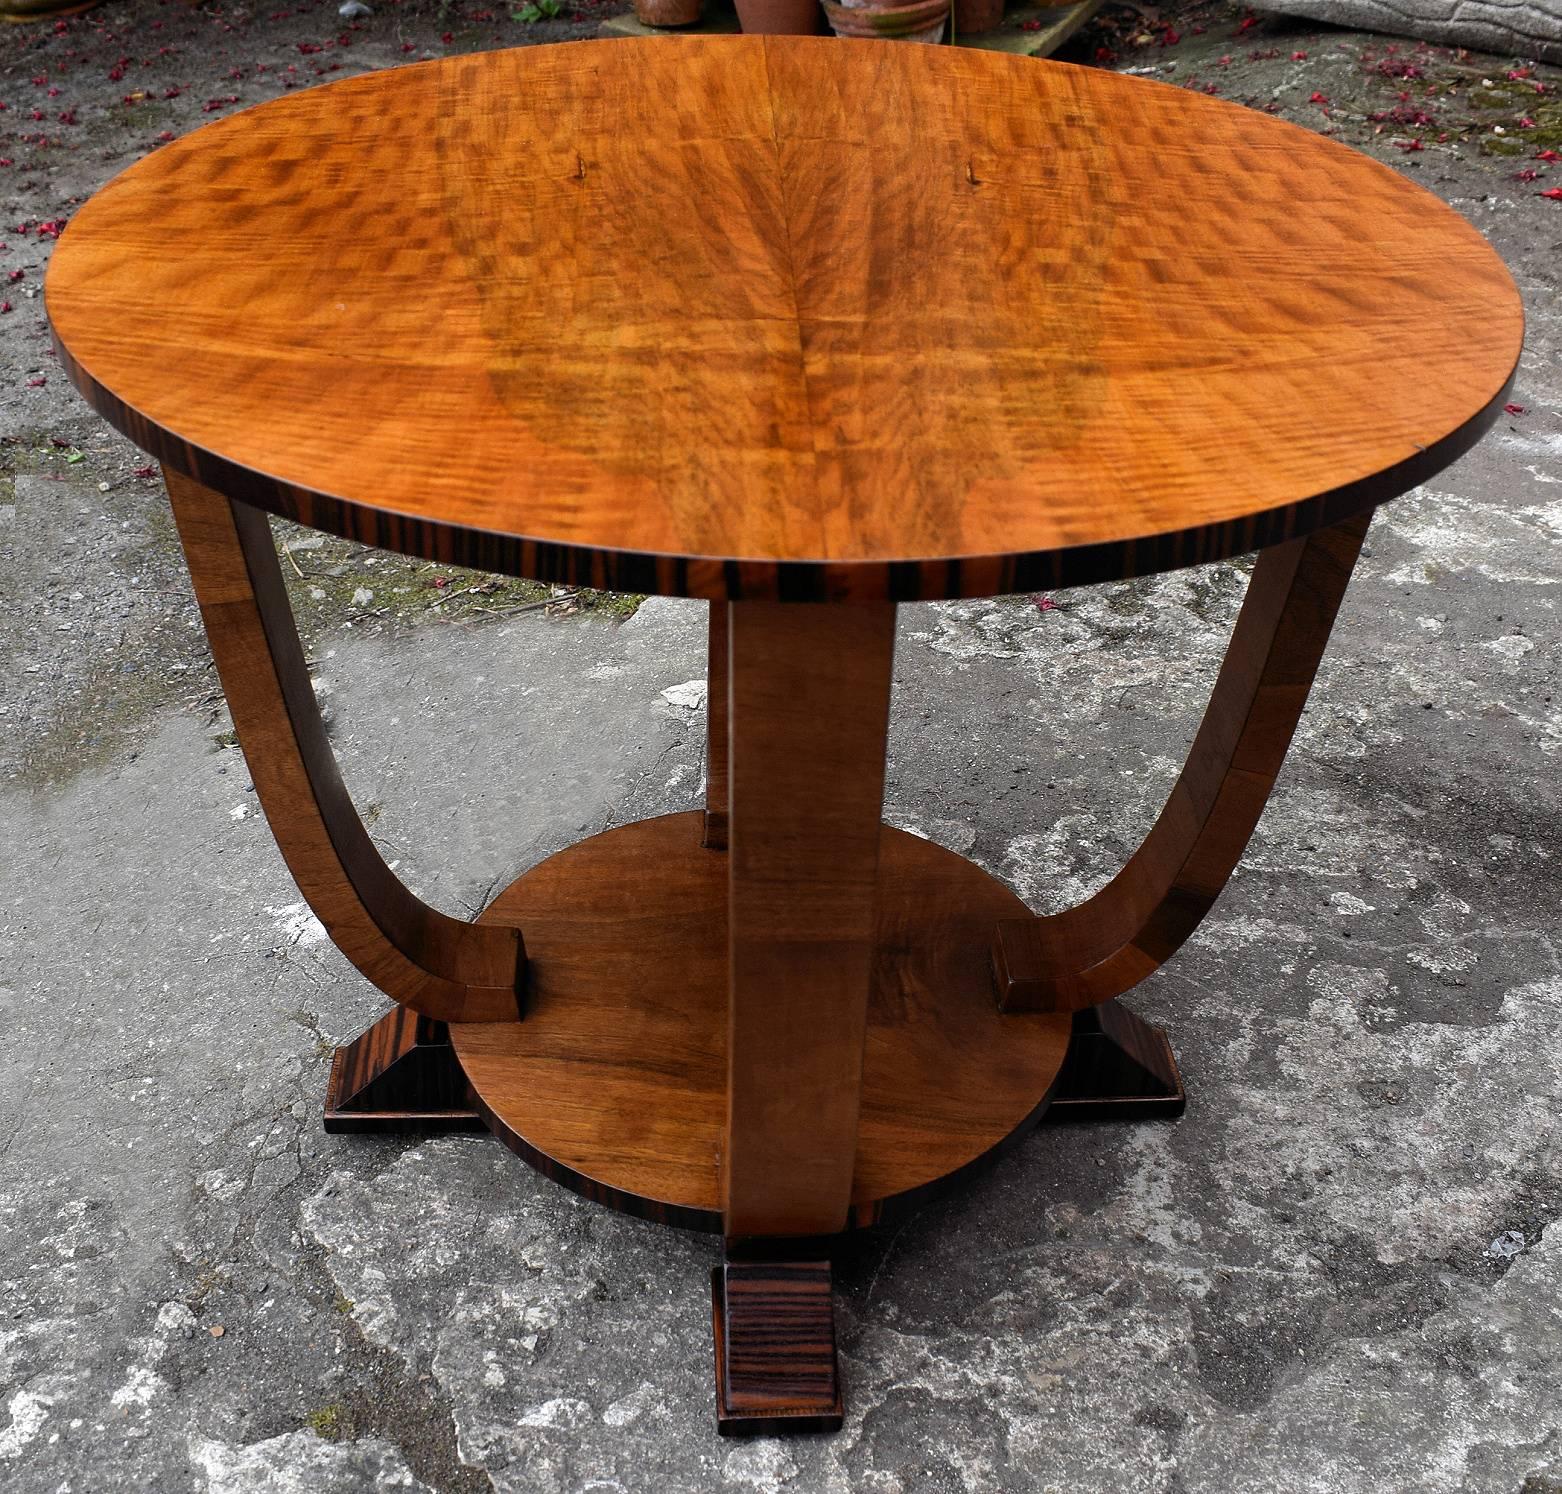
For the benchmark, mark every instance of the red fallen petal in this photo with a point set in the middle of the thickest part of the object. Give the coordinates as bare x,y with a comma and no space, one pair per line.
1318,98
1547,155
146,472
166,135
1408,144
1528,174
15,275
1514,409
1555,194
1044,604
36,383
5,306
1298,57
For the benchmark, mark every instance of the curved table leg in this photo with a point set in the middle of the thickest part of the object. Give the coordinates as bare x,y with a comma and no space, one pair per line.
437,965
1113,940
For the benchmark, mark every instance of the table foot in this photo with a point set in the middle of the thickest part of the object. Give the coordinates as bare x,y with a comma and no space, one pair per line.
776,1367
401,1075
1118,1067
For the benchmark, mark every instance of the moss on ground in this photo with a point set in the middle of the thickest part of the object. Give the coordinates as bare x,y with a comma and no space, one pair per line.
332,581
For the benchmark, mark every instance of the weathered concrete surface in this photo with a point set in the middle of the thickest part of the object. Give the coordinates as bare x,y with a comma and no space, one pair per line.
1526,28
1341,1271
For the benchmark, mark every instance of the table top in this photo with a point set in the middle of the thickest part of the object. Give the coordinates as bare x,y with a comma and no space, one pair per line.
782,316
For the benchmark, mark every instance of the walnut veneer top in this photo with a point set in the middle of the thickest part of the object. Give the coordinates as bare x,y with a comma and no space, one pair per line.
783,316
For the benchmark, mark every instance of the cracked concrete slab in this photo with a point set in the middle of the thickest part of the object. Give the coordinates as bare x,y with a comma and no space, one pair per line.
1339,1272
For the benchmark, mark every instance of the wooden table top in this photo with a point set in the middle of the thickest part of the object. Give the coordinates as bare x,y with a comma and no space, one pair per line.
778,316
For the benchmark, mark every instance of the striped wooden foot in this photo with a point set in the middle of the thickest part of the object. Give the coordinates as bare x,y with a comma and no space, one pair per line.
401,1075
776,1370
1118,1067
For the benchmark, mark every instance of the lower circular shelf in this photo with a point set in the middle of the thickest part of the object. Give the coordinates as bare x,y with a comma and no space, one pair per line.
615,1081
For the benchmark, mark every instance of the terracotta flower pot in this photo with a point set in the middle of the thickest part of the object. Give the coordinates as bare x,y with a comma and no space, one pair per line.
42,10
977,17
667,12
780,17
921,21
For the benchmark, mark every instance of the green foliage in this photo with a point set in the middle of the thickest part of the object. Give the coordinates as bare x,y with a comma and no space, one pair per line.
326,1422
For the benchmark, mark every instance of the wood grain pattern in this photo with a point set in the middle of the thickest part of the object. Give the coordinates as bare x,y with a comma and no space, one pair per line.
435,964
776,1369
784,317
400,1076
1113,940
615,1084
810,688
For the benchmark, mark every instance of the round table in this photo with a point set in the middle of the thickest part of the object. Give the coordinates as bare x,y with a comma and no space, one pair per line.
808,328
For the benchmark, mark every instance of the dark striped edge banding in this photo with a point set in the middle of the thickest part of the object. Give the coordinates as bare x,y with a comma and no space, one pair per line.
776,1366
770,580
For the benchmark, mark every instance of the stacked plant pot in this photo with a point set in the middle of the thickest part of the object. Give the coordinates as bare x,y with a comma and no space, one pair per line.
977,17
918,20
898,20
667,12
780,17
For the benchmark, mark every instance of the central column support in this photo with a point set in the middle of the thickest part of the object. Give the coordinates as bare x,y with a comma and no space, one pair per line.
808,721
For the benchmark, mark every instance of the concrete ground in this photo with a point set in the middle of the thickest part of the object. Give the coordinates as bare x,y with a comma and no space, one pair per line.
1339,1272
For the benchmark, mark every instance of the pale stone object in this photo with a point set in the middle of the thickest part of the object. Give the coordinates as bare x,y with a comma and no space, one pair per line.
1509,28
